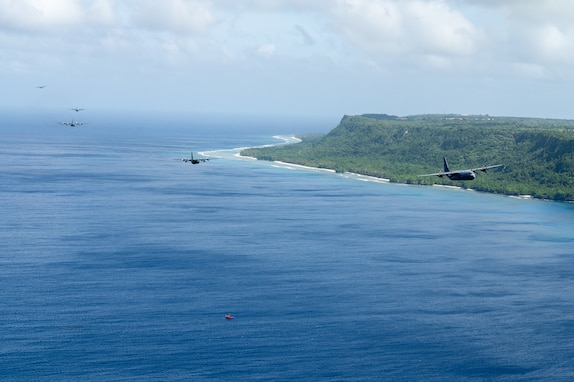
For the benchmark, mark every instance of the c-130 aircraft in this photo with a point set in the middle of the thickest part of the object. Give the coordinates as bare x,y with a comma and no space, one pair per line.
193,160
468,174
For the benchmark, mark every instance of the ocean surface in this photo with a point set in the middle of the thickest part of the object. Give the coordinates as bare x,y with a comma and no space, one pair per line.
119,262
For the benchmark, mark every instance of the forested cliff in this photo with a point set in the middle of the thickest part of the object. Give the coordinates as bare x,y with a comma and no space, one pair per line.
537,154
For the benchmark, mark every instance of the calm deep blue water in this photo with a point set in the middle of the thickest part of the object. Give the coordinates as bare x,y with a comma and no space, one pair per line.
118,263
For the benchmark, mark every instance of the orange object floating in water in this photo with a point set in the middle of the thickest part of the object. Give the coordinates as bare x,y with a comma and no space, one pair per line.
228,317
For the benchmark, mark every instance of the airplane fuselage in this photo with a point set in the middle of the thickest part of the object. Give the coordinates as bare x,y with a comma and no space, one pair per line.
73,123
469,174
462,175
193,160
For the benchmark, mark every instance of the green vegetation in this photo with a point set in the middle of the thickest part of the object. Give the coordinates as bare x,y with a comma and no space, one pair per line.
538,154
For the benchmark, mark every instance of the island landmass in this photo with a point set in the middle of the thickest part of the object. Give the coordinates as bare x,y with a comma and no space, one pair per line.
537,153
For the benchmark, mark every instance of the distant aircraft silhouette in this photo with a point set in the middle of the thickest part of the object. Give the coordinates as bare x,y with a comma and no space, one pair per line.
468,174
41,87
73,123
75,109
194,160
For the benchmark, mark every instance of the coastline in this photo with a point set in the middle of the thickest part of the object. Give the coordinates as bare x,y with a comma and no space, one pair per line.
287,139
357,176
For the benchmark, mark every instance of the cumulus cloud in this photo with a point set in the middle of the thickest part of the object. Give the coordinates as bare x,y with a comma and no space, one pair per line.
553,44
536,36
437,28
527,15
102,12
531,39
38,15
374,26
171,15
527,10
399,27
483,36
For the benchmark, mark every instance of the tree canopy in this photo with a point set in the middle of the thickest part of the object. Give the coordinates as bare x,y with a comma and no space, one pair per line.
537,154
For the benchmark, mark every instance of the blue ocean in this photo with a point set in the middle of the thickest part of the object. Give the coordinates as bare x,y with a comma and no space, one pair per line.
120,262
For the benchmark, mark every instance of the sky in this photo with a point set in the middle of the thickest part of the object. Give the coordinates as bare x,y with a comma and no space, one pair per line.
290,57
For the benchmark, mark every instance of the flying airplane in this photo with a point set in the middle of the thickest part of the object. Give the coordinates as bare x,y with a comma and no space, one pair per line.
194,160
469,174
41,87
75,109
73,123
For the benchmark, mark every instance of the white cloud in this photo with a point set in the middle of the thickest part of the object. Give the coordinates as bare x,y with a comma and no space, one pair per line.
374,26
102,12
554,44
274,5
171,15
534,36
527,11
38,15
406,29
544,44
529,70
335,44
267,50
438,29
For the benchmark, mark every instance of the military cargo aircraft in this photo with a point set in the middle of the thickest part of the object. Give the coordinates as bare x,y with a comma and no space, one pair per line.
468,174
193,160
73,123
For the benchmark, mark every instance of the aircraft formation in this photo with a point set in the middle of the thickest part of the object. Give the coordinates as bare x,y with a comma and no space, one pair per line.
74,123
71,123
468,174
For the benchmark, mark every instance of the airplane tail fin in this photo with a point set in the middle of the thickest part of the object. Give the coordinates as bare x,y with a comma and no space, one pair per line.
446,169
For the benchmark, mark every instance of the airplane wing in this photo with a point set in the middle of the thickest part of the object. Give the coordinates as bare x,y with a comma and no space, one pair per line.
483,169
72,123
449,173
442,173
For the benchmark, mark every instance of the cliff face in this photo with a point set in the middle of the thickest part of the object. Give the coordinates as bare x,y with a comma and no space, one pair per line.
538,154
